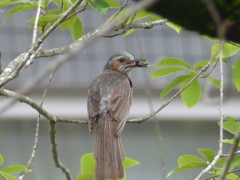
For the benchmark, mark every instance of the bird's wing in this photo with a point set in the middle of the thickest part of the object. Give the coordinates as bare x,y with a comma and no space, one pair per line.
120,103
93,103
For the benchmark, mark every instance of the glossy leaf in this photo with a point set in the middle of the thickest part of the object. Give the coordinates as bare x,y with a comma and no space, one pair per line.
99,5
236,74
231,125
165,71
87,163
173,84
1,159
213,81
208,154
192,94
77,29
128,162
176,27
169,61
113,3
227,51
187,167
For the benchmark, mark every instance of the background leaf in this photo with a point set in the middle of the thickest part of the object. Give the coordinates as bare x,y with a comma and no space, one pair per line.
113,3
8,176
13,168
77,29
173,84
176,27
231,125
227,51
85,176
208,154
87,163
99,5
236,74
128,162
188,159
165,71
169,61
1,159
213,81
192,94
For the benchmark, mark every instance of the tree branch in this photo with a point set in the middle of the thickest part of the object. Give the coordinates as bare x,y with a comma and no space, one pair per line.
55,151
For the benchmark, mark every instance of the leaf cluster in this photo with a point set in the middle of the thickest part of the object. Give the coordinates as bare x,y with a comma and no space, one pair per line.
187,162
88,165
7,171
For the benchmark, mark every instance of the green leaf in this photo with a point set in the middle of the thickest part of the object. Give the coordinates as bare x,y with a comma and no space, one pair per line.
8,176
236,74
187,167
66,4
234,162
208,154
221,161
165,71
227,51
77,29
209,38
213,81
87,163
140,15
173,84
85,176
231,125
20,8
230,141
169,61
188,159
9,2
176,27
128,162
57,2
99,5
113,3
130,32
192,94
154,18
201,64
68,23
13,168
1,159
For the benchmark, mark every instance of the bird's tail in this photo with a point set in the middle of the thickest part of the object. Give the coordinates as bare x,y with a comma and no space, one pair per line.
108,152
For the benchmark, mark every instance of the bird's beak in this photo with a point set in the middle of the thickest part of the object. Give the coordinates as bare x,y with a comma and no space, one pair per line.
138,63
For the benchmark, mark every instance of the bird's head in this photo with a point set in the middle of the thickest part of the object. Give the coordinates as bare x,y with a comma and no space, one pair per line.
124,62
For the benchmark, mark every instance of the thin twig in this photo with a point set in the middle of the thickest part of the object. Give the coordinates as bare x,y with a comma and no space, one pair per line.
37,129
221,124
55,151
119,10
13,69
35,27
3,176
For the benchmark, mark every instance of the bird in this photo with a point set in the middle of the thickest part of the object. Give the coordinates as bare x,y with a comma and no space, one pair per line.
108,105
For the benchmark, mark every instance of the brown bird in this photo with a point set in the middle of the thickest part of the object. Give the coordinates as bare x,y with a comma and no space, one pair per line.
109,102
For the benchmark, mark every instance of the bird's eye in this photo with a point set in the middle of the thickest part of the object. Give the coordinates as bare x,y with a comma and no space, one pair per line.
121,60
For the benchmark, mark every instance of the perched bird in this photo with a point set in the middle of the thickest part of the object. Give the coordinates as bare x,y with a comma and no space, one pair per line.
202,15
109,102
